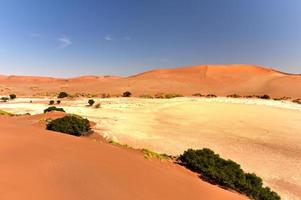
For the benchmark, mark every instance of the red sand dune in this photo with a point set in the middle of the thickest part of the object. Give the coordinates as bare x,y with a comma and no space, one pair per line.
217,79
38,164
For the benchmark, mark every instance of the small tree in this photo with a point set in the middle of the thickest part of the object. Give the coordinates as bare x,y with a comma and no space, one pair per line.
12,96
127,94
51,102
91,102
62,95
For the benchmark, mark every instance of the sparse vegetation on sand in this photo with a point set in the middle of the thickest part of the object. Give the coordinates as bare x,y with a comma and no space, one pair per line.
62,95
171,95
4,113
234,96
297,101
97,105
211,96
226,173
70,124
53,108
127,94
91,102
197,95
51,102
151,154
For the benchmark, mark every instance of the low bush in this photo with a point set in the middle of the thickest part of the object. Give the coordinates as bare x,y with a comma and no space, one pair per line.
234,96
127,94
91,102
53,108
70,124
197,95
226,173
297,101
4,99
159,95
211,96
12,96
58,102
265,96
62,95
51,102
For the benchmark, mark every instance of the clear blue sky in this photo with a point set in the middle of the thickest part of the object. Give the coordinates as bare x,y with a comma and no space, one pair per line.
77,37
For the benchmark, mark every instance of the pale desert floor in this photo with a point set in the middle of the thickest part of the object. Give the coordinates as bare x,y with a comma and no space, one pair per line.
264,136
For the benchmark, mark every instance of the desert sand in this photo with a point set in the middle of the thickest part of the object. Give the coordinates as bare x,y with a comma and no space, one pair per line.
38,164
262,135
221,80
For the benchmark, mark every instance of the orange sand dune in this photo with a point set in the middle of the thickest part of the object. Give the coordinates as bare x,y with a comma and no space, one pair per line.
39,164
217,79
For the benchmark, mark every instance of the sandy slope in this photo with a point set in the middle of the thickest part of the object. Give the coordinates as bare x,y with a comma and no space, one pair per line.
38,164
218,79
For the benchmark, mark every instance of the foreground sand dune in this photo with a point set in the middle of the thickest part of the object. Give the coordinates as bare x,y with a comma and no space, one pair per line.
217,79
38,164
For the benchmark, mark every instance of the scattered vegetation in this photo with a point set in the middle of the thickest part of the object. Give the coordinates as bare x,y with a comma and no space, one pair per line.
234,96
4,99
151,154
226,173
170,95
53,108
51,102
70,124
198,95
62,95
297,101
159,95
265,96
91,102
146,96
127,94
12,96
211,96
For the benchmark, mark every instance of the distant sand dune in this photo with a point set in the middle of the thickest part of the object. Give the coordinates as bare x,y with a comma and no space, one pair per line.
218,79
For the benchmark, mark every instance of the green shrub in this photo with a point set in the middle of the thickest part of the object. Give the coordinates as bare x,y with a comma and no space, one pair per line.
53,108
62,95
91,102
70,124
4,113
226,173
12,96
127,94
51,102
